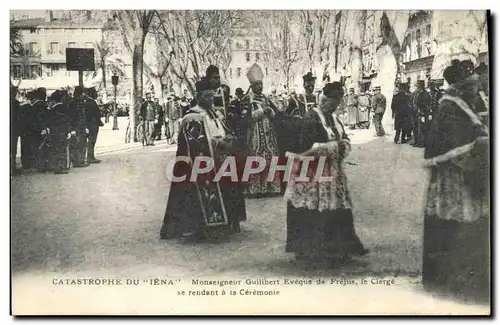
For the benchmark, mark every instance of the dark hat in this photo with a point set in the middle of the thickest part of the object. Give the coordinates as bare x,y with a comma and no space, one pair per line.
211,70
78,91
333,89
452,74
41,93
481,69
56,96
239,91
202,85
308,77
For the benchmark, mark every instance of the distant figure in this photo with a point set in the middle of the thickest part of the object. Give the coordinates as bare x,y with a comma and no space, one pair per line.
149,116
401,113
379,106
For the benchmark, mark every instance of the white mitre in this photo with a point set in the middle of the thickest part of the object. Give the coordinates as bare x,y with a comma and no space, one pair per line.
255,73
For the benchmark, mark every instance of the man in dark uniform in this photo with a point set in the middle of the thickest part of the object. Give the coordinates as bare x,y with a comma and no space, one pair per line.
422,103
379,106
14,127
78,116
41,137
26,120
149,116
93,115
401,113
161,119
235,116
59,124
299,106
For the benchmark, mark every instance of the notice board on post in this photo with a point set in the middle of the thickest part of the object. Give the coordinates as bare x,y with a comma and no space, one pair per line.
80,59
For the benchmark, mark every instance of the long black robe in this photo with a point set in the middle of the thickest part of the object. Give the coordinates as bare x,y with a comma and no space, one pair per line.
190,203
456,254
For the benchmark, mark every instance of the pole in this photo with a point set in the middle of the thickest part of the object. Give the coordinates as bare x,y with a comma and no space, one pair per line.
80,78
115,113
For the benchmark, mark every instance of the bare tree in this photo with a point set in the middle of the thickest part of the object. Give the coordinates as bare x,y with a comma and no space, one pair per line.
134,26
196,39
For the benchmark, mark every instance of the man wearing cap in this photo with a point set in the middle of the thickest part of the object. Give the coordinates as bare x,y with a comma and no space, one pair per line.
421,104
93,115
149,115
261,138
59,124
352,108
161,118
379,106
78,116
235,116
401,113
364,106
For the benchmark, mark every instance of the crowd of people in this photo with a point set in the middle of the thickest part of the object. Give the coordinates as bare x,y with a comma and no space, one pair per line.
451,124
56,132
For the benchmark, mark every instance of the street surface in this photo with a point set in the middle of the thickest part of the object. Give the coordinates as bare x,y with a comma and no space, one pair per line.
106,219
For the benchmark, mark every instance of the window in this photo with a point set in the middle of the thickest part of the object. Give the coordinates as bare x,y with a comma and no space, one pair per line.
33,48
247,44
32,71
52,69
89,45
54,48
248,57
16,71
238,72
257,56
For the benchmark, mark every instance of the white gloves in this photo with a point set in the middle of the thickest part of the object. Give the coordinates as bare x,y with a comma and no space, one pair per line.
45,131
87,131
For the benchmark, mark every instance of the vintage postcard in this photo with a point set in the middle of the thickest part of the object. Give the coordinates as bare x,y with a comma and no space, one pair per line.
250,162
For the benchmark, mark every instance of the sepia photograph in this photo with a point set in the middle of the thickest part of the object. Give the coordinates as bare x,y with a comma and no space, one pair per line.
250,162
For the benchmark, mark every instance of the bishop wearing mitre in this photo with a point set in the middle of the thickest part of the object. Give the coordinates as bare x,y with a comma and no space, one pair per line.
261,139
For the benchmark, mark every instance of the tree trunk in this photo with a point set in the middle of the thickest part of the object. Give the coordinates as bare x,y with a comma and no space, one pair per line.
357,48
103,67
137,67
388,56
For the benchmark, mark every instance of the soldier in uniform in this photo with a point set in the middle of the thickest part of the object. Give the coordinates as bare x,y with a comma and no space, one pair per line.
93,115
14,127
379,106
161,119
235,116
78,116
149,116
422,103
401,113
59,124
41,135
174,115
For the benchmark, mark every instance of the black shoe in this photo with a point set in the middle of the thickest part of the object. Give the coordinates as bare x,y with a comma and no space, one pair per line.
61,171
152,144
94,161
396,140
81,165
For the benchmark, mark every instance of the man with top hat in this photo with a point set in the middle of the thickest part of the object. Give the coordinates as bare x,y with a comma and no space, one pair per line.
93,115
261,138
401,113
421,106
149,115
364,106
300,105
379,106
